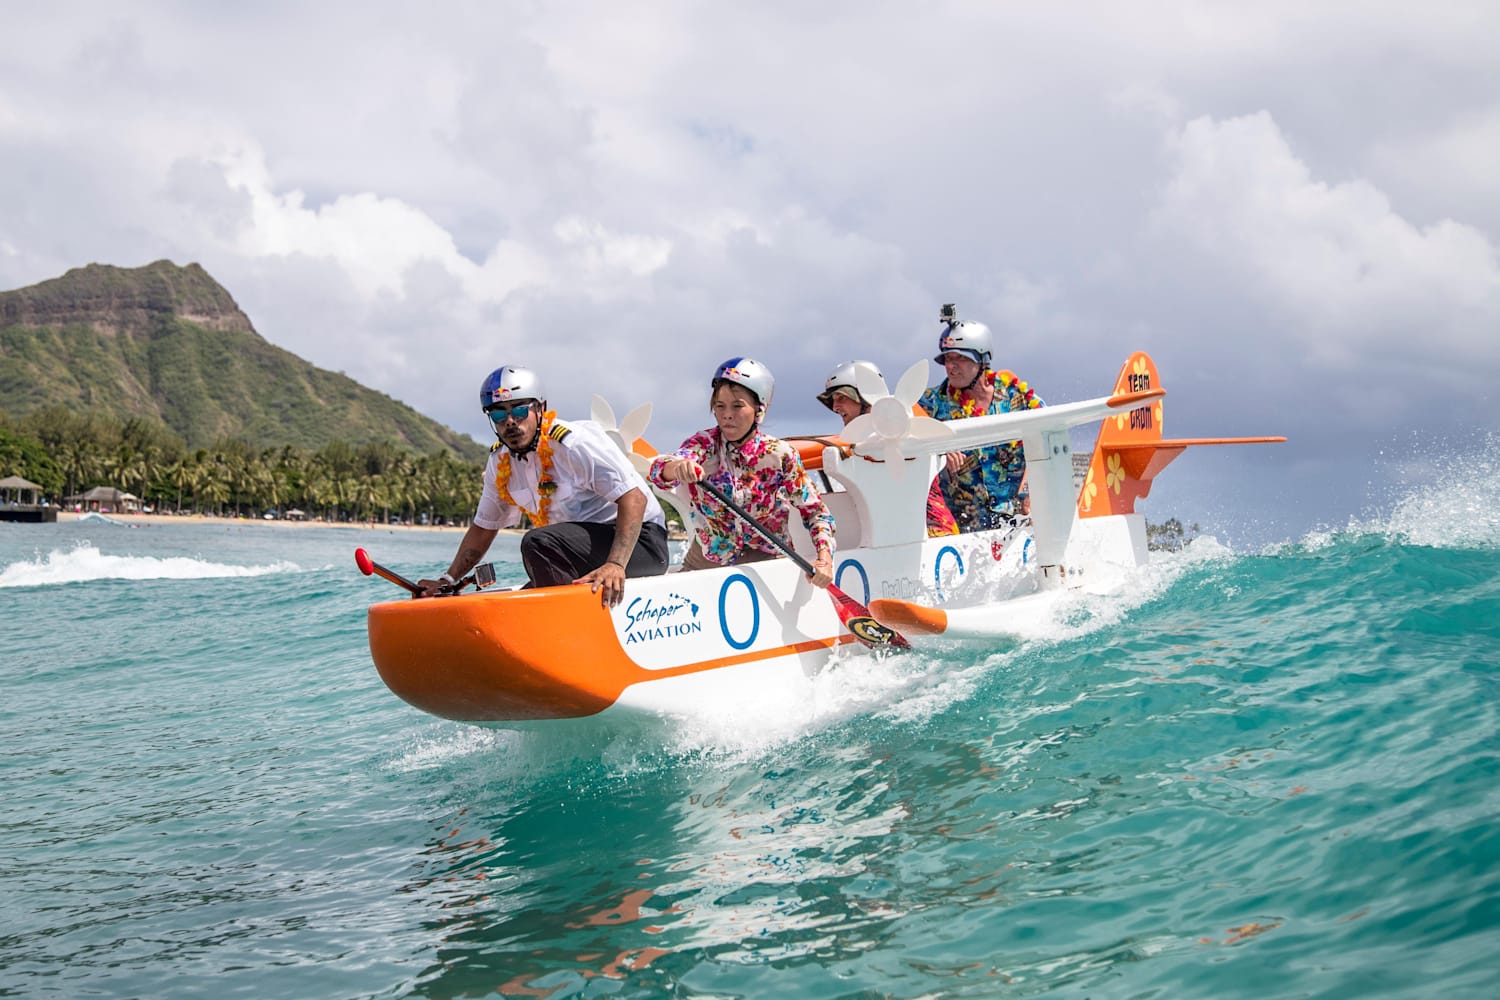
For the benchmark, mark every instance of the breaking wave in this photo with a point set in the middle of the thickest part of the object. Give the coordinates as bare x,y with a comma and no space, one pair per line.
85,563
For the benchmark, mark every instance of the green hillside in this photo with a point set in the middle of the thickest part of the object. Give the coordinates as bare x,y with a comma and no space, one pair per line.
168,343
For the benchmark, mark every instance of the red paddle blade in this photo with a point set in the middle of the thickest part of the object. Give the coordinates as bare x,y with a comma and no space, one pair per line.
857,619
368,566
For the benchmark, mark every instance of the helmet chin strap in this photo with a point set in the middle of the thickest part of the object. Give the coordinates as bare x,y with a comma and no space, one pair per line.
526,449
748,434
529,447
975,380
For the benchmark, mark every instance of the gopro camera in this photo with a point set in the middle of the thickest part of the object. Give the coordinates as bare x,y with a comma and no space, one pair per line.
484,575
949,314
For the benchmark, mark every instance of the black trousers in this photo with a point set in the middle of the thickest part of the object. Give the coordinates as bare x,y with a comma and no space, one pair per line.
558,554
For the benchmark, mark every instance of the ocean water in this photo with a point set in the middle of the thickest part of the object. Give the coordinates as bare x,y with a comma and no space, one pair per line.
1272,773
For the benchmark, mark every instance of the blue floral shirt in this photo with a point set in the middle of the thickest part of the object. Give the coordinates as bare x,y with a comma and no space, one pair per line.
981,492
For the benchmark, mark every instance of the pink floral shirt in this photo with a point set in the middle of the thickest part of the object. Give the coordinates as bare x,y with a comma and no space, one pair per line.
762,474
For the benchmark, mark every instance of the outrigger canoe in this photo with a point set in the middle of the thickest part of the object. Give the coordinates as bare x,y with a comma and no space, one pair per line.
678,642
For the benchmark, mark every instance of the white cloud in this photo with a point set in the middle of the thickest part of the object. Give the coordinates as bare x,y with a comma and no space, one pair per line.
599,252
1337,261
622,197
1449,169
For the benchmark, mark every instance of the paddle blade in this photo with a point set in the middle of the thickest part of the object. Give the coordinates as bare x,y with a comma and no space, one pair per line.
915,618
862,625
370,567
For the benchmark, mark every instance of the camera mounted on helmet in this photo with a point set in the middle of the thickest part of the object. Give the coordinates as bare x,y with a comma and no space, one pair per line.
962,337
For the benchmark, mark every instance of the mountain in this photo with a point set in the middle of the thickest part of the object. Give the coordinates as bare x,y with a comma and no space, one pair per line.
169,343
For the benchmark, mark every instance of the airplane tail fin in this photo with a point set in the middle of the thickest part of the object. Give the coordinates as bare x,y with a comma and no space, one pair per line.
1130,450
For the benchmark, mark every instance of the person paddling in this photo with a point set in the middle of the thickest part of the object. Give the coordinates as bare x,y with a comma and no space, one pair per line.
592,518
761,473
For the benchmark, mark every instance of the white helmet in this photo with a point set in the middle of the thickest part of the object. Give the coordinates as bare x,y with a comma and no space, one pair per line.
965,337
844,377
510,382
750,374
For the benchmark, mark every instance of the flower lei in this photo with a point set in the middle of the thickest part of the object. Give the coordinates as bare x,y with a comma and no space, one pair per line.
545,486
970,405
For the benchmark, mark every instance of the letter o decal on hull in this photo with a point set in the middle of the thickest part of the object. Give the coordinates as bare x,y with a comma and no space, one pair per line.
754,611
864,579
937,568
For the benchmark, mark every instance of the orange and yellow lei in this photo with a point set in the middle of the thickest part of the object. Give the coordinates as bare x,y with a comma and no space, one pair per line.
545,486
1005,379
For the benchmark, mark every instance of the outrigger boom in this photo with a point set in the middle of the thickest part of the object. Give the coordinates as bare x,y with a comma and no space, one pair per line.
682,642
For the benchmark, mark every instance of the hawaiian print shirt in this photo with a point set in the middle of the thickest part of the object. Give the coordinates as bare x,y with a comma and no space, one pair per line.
762,474
939,518
981,493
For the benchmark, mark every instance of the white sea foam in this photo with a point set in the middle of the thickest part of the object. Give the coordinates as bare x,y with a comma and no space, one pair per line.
1444,503
912,688
905,689
1458,511
449,744
85,563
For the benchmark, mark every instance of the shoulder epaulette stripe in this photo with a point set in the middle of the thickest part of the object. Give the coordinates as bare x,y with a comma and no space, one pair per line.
559,431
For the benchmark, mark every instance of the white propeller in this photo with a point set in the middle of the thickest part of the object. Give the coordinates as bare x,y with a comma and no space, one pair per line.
629,431
890,421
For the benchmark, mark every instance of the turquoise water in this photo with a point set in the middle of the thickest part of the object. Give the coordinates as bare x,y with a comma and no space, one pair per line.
1257,774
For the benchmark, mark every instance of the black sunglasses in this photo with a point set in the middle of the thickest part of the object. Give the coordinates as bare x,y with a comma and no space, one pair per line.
499,413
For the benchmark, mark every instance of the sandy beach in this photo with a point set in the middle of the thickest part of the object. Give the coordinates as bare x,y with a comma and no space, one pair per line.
65,516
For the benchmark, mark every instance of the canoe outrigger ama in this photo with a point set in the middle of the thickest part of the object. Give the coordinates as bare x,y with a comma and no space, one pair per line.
678,642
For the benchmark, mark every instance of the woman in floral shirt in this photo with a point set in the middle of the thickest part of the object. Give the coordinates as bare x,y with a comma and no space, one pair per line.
761,473
984,488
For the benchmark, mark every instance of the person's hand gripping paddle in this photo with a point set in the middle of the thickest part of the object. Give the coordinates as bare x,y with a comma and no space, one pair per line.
855,616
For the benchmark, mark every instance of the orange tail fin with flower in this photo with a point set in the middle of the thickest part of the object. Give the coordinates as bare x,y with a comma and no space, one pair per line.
1130,450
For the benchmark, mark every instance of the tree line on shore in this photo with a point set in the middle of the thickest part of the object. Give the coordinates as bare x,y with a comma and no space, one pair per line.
67,452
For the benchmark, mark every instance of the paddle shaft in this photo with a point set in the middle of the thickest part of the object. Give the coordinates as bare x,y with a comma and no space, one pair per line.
855,616
763,531
368,566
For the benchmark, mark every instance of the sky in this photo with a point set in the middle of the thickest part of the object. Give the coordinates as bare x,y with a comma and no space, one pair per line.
1294,208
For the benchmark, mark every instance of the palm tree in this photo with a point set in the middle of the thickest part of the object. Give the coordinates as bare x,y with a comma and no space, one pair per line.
71,459
184,474
216,491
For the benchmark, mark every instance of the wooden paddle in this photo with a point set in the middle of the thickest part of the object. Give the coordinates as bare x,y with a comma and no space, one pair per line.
855,616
